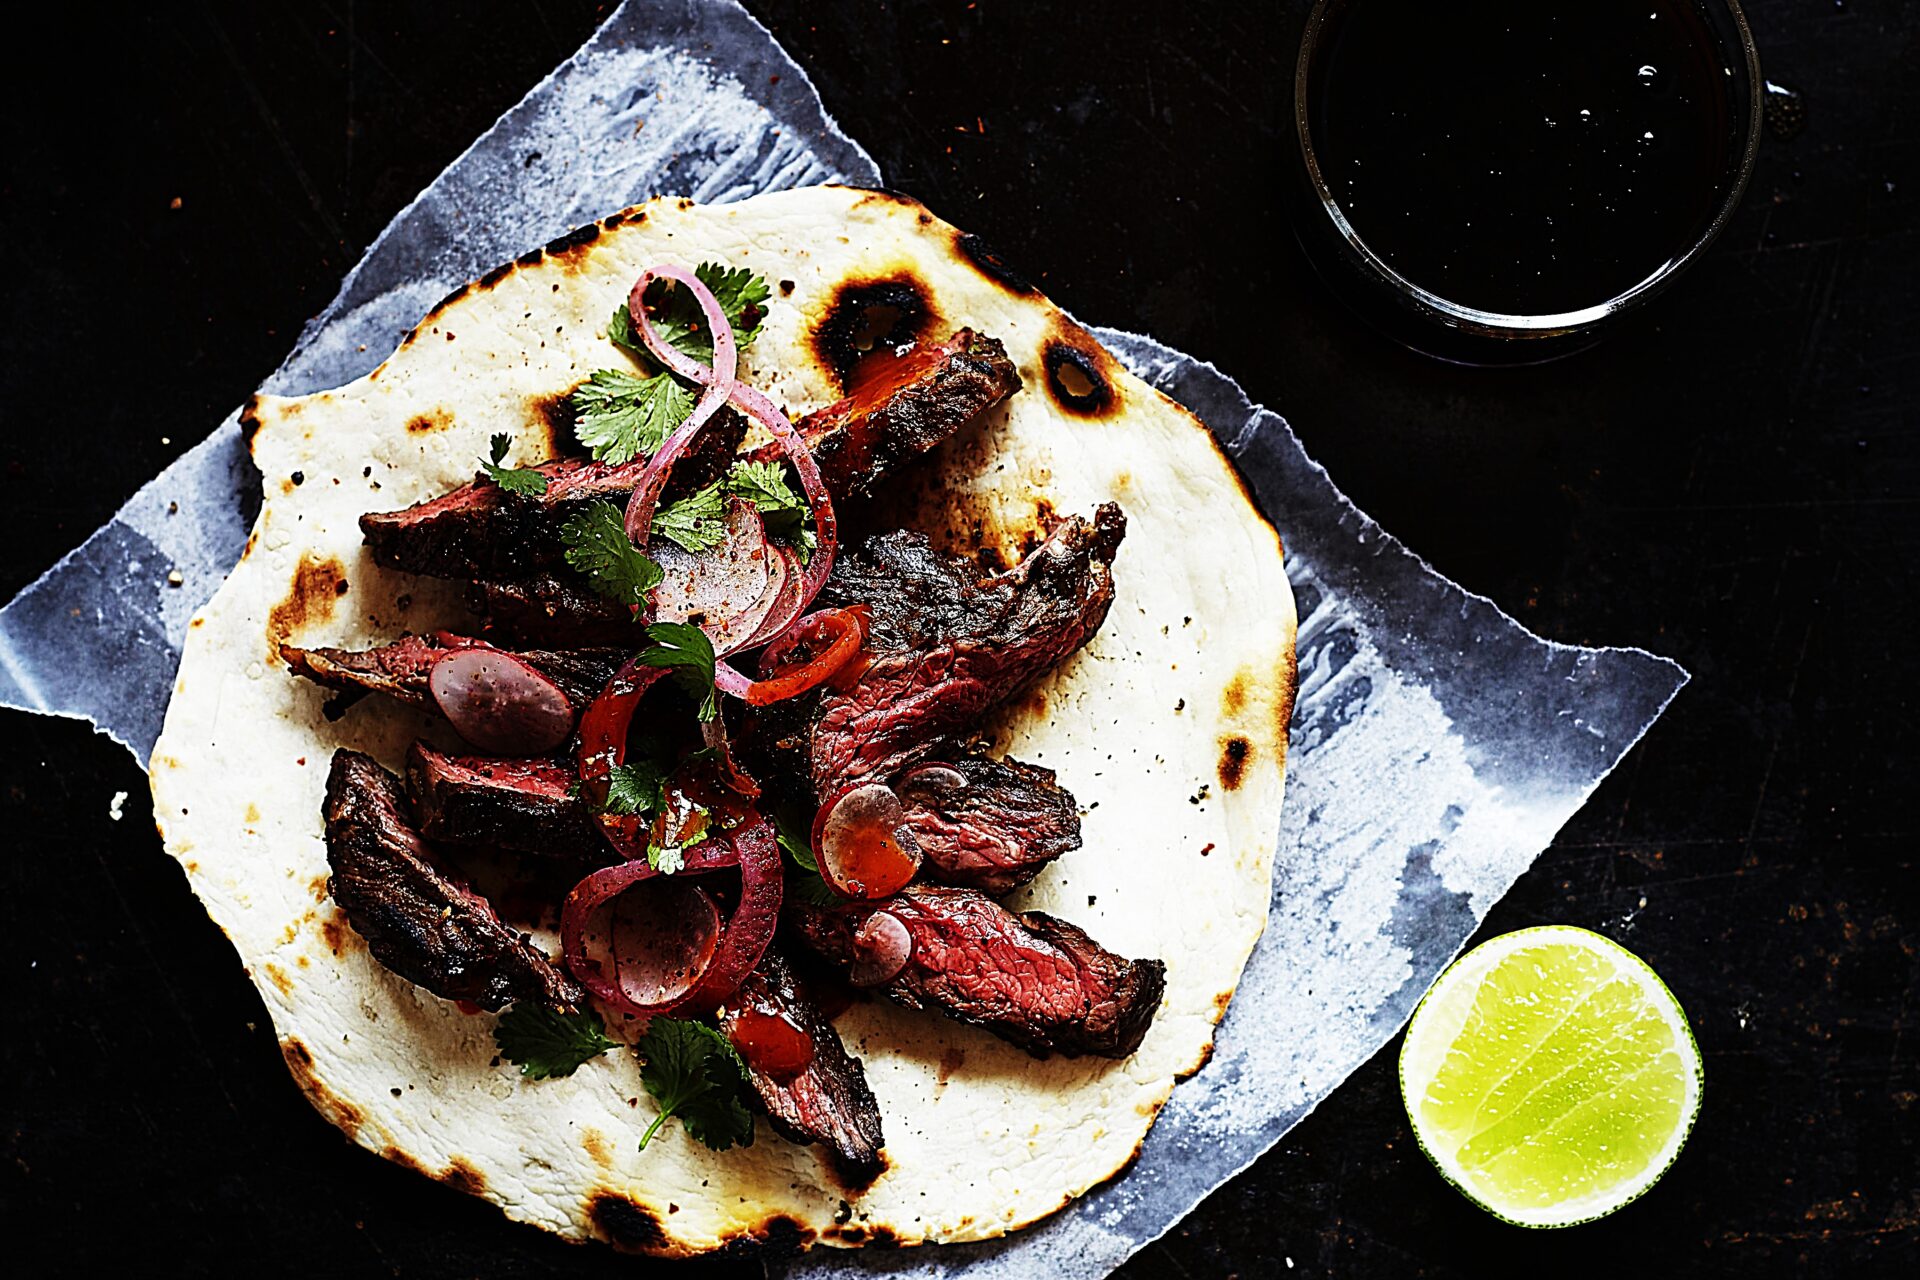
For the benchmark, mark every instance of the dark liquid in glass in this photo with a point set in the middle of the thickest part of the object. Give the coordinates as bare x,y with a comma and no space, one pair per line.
1527,157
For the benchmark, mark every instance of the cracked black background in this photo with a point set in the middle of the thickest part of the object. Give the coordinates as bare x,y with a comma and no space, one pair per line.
1732,481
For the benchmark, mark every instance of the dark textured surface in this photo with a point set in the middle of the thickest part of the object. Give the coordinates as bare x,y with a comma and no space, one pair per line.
1733,482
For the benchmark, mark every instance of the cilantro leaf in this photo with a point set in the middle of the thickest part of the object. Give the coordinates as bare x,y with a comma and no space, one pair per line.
513,479
597,545
633,788
621,417
741,294
764,484
697,522
678,320
688,655
792,839
623,333
808,884
547,1044
693,1072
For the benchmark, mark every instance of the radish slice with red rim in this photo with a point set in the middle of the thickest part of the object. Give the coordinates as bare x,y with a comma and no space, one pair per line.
930,781
862,843
499,703
726,592
787,579
882,945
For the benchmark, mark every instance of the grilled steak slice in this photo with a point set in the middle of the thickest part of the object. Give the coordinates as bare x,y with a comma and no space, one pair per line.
901,406
554,609
400,669
988,824
829,1100
503,804
419,921
481,530
1033,980
947,645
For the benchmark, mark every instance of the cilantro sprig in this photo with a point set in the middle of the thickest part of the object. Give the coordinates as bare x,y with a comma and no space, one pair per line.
764,484
523,480
634,788
698,521
547,1044
693,1072
684,650
742,296
597,545
620,416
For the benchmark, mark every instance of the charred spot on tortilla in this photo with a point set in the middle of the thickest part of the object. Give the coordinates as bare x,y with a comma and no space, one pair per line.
776,1239
624,1224
494,276
553,415
988,262
335,933
462,1176
1233,699
1234,754
250,423
868,314
309,601
1075,381
335,1108
429,422
570,250
404,1158
595,1144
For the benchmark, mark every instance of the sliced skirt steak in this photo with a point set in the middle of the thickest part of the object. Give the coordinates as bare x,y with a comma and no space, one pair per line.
496,803
401,668
898,411
947,645
986,824
1033,980
828,1101
418,920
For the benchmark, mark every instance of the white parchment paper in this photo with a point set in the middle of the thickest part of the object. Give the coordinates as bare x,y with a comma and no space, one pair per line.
1436,744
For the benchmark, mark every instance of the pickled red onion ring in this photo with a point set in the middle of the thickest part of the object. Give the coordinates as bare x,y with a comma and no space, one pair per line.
712,972
718,381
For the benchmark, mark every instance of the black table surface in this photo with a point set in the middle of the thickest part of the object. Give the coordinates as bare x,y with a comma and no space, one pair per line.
1731,481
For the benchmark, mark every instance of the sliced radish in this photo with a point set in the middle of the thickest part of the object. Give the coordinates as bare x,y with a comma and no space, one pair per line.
862,843
881,947
499,703
727,591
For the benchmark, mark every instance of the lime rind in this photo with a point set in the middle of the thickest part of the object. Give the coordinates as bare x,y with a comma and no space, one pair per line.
1442,1016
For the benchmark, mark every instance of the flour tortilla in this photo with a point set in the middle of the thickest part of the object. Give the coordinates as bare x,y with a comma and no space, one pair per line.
1170,728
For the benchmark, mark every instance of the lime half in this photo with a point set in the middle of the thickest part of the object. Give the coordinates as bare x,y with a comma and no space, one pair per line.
1551,1076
